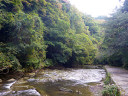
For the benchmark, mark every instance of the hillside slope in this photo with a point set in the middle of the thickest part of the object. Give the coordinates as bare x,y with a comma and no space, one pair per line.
38,33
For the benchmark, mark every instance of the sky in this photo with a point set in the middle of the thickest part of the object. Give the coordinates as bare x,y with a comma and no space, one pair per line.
96,8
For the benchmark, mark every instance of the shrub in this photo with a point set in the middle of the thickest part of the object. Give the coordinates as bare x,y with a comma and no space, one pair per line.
111,90
107,79
8,61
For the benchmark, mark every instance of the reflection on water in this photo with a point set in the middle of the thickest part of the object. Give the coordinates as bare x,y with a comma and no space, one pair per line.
67,82
63,88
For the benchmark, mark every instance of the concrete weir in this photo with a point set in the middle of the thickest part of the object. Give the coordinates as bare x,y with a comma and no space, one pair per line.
120,77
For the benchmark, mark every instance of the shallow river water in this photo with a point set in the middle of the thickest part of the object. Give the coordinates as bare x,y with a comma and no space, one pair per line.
55,82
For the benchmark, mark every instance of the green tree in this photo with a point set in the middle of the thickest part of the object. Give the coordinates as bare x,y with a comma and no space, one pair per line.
116,37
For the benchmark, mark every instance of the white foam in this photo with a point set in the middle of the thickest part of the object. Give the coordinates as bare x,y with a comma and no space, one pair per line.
8,86
80,76
28,92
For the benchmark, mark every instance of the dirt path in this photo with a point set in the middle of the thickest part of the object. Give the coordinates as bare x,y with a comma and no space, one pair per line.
120,77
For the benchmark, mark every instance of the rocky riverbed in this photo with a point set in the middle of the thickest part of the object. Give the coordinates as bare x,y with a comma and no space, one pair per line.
55,82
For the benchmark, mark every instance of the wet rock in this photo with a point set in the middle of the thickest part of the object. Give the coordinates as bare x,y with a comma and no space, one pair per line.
4,93
65,89
26,78
11,80
31,74
0,80
29,92
32,80
19,87
21,82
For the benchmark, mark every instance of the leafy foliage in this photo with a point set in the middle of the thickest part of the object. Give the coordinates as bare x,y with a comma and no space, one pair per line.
116,40
7,59
41,33
111,90
107,80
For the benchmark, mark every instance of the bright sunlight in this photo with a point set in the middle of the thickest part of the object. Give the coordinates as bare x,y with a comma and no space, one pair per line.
97,7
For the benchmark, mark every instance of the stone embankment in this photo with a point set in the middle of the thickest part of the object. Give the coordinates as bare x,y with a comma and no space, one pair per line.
120,78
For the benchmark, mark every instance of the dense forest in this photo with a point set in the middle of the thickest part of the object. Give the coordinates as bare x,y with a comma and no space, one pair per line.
42,33
115,45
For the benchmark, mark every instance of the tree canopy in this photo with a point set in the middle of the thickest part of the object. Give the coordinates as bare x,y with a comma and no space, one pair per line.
39,33
116,41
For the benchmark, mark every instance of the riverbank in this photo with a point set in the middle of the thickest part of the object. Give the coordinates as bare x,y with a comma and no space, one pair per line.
66,81
120,78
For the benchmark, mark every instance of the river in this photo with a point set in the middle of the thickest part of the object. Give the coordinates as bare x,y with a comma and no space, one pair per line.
55,82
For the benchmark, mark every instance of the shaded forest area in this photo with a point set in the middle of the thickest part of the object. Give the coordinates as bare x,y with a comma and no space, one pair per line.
42,33
115,45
